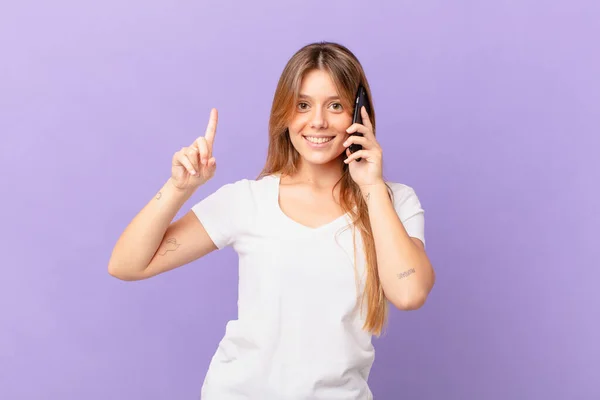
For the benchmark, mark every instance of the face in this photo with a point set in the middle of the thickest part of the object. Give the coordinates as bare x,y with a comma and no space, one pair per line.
318,127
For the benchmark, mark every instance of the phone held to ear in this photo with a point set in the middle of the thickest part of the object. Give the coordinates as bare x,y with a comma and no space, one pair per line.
360,101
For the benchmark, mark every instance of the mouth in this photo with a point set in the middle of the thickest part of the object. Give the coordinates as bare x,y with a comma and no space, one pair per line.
318,141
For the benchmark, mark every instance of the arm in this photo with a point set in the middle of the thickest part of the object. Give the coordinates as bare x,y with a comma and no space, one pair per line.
152,244
406,273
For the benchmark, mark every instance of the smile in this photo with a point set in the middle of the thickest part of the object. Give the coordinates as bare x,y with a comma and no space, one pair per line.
318,141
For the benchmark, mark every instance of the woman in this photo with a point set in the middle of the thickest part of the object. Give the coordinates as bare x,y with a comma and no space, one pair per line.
319,235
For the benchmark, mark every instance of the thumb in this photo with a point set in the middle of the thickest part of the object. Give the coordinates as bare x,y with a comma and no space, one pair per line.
212,162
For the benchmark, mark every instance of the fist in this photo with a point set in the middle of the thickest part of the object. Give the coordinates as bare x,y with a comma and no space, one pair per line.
194,165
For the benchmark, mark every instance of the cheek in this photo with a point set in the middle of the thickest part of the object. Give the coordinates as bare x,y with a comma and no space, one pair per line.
297,124
343,122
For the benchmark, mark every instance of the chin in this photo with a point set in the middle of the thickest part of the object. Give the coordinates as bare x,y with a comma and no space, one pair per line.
320,159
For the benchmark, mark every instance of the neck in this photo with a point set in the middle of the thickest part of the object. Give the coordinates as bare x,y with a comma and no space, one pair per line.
319,176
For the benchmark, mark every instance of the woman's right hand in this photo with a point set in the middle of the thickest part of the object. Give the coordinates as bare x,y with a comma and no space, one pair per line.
194,165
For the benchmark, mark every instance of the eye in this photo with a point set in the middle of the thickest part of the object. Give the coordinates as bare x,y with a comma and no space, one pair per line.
337,106
302,106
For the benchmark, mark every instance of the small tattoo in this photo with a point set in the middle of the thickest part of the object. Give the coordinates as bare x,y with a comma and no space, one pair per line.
172,245
368,196
406,273
159,195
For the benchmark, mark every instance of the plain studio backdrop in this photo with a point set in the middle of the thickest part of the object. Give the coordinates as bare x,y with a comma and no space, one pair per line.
489,109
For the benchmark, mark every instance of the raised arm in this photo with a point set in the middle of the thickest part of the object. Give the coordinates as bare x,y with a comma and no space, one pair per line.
152,243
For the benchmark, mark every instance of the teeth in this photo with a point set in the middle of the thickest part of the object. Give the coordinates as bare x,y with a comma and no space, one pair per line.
317,140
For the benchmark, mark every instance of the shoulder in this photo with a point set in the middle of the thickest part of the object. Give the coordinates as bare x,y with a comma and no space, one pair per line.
409,209
401,192
405,199
251,186
237,199
245,191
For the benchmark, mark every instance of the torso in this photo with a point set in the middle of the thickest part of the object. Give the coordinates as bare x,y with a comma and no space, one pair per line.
299,330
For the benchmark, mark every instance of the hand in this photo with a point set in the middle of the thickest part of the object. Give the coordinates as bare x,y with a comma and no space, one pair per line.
367,171
194,165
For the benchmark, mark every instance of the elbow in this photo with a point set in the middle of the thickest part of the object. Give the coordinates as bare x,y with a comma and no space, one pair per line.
415,298
410,300
409,303
116,272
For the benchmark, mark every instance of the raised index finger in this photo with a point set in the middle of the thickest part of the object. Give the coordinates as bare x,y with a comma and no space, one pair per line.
211,128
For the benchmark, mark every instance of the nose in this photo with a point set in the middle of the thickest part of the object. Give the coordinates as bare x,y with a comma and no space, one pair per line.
318,120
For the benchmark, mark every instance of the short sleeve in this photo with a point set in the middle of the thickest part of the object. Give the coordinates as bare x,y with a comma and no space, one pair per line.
409,209
221,213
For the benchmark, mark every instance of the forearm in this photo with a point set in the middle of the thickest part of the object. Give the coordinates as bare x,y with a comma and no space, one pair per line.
404,268
139,241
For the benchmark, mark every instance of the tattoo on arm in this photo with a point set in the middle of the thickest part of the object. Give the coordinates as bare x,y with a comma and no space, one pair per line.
159,195
406,273
170,245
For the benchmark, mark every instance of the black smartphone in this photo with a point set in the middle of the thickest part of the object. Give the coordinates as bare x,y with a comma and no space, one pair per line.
359,102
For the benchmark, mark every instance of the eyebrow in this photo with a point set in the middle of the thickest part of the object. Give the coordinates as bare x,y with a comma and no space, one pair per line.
305,96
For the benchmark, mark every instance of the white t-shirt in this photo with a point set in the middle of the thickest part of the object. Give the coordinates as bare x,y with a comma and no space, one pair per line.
299,332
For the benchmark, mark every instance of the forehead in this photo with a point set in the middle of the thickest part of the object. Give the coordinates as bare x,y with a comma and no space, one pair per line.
318,82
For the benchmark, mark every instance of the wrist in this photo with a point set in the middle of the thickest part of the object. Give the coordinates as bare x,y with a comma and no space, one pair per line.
369,186
185,192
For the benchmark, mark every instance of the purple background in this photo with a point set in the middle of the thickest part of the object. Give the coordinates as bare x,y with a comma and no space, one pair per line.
489,109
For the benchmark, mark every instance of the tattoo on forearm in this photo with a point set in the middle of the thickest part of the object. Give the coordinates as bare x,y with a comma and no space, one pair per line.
170,245
406,273
159,195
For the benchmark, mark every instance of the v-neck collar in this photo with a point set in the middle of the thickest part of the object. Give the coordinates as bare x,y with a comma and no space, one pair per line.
342,219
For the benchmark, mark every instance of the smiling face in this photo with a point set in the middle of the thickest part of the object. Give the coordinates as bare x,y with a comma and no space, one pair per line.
318,127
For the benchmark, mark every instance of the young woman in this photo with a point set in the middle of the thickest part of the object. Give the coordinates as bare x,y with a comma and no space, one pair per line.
324,242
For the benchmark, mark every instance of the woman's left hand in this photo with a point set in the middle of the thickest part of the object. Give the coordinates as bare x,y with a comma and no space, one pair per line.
369,170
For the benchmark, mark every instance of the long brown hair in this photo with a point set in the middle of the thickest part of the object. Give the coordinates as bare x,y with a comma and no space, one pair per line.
347,74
